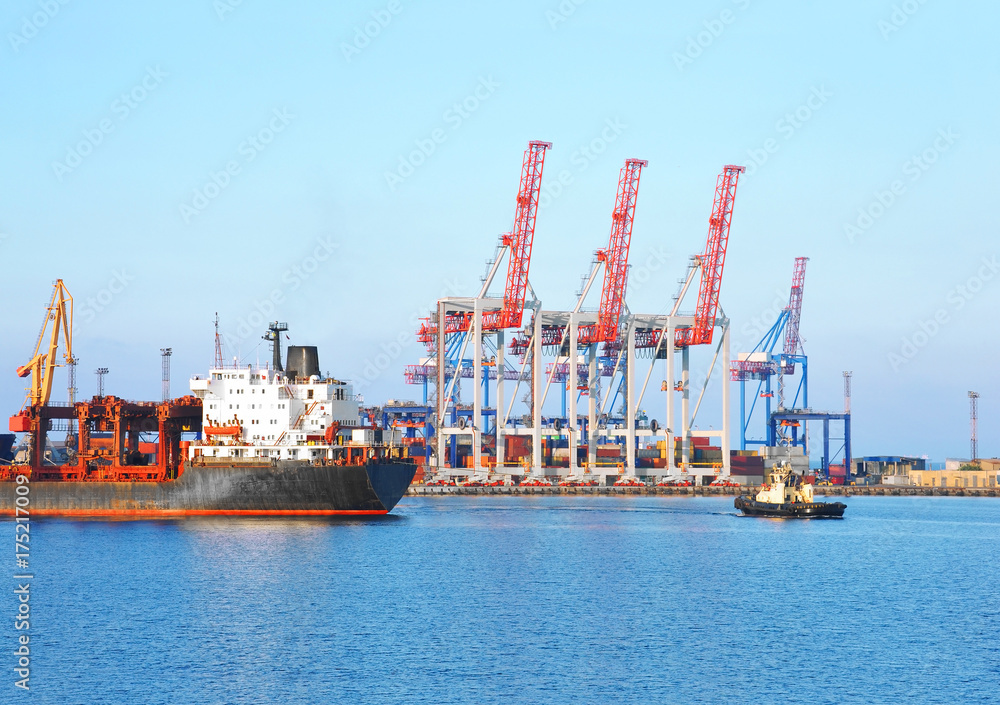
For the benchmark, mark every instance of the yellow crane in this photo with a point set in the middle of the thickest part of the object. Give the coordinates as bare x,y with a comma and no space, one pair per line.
43,362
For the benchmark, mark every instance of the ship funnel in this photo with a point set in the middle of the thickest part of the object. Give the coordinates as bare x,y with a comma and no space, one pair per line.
303,361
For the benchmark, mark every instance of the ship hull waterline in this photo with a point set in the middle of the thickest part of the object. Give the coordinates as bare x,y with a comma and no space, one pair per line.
283,488
790,510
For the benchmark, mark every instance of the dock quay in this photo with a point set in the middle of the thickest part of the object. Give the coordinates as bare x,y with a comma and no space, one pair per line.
831,491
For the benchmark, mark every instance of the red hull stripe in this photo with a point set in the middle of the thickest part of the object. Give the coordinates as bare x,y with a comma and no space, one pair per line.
195,512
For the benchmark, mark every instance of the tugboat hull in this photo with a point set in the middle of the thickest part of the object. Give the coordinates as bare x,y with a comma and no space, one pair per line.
790,510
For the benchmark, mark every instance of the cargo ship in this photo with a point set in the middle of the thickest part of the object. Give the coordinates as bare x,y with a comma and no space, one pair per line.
278,440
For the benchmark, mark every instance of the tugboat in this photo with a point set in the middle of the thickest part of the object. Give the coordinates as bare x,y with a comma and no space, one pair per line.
787,497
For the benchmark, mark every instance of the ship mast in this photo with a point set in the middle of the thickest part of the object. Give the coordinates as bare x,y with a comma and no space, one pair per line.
273,334
218,344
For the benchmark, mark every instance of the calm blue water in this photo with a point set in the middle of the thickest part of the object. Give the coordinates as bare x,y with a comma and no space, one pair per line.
521,600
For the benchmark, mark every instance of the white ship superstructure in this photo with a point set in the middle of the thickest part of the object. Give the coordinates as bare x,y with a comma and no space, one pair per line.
263,413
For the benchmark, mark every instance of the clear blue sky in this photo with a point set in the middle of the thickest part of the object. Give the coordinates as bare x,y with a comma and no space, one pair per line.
120,118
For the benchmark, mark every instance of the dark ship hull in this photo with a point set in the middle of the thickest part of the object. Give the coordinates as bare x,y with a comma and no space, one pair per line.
283,488
790,510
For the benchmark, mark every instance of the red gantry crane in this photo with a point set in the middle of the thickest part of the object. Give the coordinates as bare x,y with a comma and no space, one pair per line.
615,258
713,261
615,261
518,242
711,264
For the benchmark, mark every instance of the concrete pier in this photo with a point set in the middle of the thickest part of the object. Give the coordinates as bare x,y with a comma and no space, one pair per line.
832,491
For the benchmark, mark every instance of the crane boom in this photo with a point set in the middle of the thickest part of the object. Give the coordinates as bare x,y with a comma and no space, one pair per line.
713,261
792,339
520,240
615,258
43,361
517,244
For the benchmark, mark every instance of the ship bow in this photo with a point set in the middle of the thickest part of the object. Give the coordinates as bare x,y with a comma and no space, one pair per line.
390,480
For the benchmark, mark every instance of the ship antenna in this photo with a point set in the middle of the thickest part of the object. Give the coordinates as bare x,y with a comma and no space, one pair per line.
219,362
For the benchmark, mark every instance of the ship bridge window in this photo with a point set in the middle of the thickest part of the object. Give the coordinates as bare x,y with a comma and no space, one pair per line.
309,394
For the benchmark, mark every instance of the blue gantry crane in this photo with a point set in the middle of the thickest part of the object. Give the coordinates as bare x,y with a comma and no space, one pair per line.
762,364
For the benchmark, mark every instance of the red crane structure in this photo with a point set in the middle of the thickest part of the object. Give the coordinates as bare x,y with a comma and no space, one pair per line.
713,261
615,258
711,264
615,261
518,242
565,334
